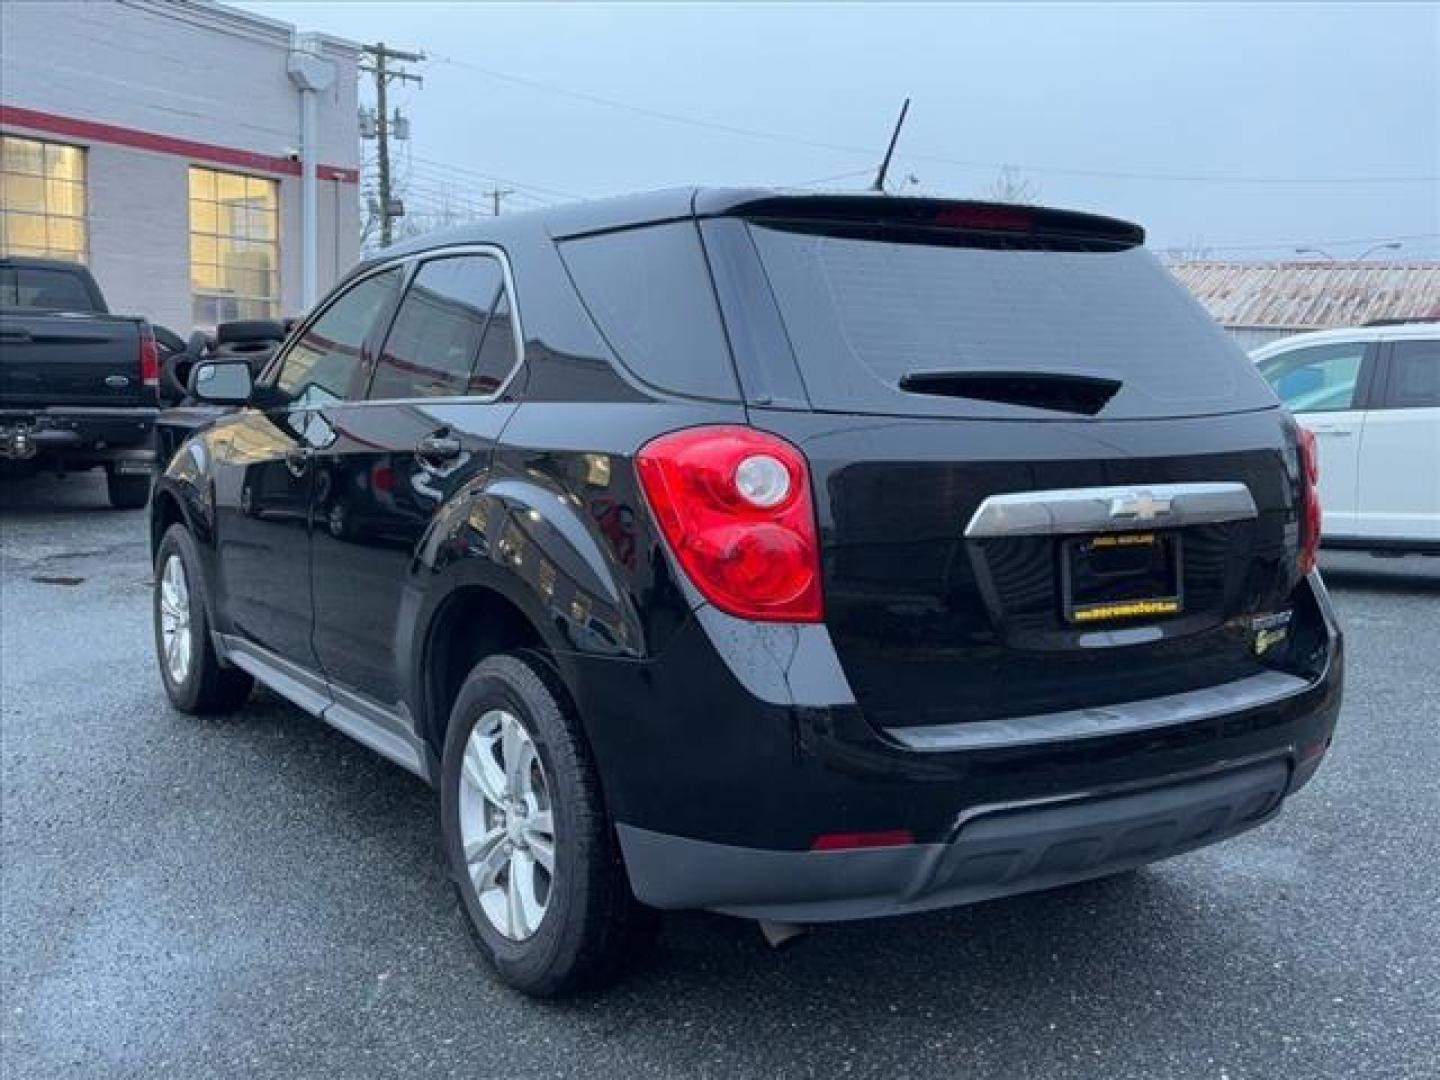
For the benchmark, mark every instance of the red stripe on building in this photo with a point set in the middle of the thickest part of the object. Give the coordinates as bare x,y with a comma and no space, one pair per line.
94,131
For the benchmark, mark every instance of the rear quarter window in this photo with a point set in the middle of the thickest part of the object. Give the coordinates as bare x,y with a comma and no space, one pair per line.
649,293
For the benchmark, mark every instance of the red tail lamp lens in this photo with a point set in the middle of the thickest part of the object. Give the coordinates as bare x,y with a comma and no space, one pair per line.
985,218
856,841
734,505
1310,468
149,359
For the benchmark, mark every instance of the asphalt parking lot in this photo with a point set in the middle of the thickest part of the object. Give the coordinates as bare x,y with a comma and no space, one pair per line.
258,896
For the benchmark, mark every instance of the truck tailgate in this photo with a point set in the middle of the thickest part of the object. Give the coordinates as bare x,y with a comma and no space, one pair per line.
63,360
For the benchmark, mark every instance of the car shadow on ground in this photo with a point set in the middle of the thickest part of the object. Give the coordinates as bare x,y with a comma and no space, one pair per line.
980,967
1412,574
38,495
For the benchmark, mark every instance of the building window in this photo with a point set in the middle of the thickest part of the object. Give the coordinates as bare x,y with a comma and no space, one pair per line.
234,247
42,199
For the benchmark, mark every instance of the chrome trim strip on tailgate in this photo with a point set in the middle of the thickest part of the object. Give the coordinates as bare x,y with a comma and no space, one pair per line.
1103,721
1110,509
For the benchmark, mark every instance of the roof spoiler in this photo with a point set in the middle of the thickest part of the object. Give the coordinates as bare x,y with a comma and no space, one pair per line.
883,212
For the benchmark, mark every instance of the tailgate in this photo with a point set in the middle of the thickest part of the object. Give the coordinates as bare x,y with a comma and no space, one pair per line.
63,360
1045,479
943,612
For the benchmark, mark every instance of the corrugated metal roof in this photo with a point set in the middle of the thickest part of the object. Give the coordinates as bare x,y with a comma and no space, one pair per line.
1312,295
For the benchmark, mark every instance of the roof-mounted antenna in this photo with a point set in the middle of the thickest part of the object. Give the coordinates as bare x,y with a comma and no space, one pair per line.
879,184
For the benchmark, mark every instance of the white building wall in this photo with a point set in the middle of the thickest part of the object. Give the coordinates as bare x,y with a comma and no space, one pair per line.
193,71
139,241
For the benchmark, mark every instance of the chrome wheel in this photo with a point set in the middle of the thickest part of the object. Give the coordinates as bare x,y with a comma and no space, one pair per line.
507,824
175,634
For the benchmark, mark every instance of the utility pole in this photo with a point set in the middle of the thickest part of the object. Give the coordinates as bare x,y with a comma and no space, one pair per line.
380,57
496,194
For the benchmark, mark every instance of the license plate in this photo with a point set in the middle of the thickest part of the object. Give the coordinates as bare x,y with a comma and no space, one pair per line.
1121,576
134,468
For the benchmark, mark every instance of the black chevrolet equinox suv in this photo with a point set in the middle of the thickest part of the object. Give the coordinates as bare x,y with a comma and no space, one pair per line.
802,558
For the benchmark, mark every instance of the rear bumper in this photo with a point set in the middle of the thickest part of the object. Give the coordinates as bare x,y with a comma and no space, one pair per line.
995,851
89,435
719,795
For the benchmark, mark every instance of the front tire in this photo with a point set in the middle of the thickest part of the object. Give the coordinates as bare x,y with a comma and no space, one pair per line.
126,492
194,679
528,843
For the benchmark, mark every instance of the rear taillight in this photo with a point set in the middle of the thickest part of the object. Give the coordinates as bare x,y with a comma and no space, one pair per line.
734,504
149,359
1310,478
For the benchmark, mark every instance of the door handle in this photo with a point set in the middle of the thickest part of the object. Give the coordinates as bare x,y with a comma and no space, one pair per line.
297,460
438,448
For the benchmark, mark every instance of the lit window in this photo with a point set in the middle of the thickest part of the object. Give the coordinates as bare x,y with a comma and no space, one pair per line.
234,247
42,199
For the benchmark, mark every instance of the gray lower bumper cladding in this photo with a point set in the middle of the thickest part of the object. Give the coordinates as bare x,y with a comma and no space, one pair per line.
996,851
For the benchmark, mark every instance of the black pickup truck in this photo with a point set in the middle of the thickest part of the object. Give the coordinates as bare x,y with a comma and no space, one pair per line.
78,386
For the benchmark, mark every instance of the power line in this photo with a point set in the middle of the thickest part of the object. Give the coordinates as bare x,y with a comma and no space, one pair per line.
1290,245
471,190
772,136
852,174
496,179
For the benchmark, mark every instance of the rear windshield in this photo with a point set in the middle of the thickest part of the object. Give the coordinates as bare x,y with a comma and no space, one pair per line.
39,288
865,316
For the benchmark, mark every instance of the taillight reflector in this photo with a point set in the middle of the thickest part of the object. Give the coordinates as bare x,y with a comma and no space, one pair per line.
1312,520
855,841
734,505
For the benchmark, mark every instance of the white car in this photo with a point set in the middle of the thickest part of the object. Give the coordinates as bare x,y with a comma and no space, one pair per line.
1371,395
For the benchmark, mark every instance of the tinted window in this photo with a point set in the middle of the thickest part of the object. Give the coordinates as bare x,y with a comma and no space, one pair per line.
42,289
1321,378
498,353
863,313
320,366
1414,375
649,292
437,336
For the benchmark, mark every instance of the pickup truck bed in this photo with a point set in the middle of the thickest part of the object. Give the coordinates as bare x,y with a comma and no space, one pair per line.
77,384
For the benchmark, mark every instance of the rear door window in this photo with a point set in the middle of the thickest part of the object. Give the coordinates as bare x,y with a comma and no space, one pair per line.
648,291
454,308
868,317
1414,381
1318,378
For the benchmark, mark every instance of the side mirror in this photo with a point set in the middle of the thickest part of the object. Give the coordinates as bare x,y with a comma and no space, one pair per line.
221,382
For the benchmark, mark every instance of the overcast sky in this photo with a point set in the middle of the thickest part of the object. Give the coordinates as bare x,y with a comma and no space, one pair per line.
1248,129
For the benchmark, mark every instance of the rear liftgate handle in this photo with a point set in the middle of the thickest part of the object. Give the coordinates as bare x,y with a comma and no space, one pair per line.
435,449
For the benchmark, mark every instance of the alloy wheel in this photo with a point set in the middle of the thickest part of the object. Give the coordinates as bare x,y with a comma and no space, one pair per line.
507,824
175,634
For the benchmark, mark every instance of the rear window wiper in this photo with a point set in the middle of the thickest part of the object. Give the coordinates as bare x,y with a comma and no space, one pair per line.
1084,395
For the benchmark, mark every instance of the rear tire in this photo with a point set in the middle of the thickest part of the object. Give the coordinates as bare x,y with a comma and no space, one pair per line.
197,683
126,492
589,926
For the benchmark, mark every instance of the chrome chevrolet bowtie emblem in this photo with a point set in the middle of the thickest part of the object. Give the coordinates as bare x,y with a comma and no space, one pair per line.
1141,505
